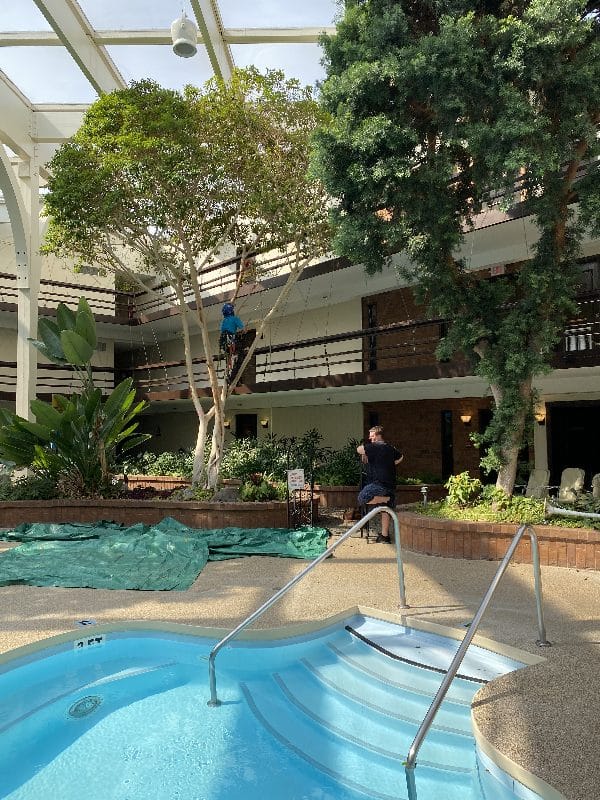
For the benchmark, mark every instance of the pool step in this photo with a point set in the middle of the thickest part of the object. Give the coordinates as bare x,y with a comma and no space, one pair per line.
348,758
384,697
379,730
401,671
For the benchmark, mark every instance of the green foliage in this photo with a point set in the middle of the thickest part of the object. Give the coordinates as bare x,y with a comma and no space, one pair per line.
262,490
462,489
31,488
74,440
435,109
246,457
179,464
340,467
516,509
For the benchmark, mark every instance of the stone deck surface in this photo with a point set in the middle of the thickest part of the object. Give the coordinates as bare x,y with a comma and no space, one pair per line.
546,718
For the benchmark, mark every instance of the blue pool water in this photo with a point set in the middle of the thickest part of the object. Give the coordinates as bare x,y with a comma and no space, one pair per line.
325,717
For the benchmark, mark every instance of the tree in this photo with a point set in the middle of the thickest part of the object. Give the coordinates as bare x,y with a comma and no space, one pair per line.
157,182
74,440
436,107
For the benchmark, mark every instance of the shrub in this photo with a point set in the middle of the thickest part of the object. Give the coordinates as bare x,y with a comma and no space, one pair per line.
340,467
178,464
462,489
263,491
31,488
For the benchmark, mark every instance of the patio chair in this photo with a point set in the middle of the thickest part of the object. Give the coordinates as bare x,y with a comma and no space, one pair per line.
537,484
571,484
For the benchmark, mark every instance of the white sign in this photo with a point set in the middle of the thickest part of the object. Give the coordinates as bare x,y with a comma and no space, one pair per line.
295,478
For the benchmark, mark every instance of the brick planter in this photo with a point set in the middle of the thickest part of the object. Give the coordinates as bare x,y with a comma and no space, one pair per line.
559,547
128,512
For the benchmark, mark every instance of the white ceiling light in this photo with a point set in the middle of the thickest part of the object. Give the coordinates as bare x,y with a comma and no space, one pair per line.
184,34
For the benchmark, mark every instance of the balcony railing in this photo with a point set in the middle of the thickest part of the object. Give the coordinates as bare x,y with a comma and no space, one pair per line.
392,353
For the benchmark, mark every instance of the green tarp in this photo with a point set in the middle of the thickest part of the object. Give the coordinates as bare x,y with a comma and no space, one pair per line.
169,555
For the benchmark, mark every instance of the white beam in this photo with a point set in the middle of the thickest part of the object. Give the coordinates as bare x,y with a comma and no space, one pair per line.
16,119
211,27
275,35
75,32
162,36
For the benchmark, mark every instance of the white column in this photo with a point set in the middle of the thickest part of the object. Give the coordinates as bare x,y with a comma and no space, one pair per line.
28,283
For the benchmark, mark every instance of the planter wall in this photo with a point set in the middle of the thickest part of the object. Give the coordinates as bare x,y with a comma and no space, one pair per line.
128,512
345,496
559,547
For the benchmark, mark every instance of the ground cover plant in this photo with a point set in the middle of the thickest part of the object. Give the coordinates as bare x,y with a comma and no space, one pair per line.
468,499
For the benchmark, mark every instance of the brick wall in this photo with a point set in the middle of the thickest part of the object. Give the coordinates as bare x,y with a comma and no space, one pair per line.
414,426
128,512
559,547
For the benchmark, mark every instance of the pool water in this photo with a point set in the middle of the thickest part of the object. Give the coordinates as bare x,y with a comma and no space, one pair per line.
325,717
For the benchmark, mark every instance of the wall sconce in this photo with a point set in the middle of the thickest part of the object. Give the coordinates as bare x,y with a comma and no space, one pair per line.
264,423
540,416
227,423
466,418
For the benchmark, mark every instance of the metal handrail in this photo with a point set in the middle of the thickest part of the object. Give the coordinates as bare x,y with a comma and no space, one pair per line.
214,701
410,762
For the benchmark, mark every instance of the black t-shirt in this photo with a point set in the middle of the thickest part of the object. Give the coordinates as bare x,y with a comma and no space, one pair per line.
381,467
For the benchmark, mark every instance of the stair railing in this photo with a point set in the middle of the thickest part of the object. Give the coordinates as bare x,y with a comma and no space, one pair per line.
214,701
410,762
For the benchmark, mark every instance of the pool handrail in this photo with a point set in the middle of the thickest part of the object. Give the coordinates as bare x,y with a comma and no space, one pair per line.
214,701
410,761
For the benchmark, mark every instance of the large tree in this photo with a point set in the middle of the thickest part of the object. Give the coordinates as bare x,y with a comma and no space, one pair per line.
437,107
160,183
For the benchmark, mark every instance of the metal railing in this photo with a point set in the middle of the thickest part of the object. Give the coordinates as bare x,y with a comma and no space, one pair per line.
410,762
214,701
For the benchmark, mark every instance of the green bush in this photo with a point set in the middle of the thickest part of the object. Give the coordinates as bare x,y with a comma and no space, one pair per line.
262,491
340,467
179,464
30,488
462,489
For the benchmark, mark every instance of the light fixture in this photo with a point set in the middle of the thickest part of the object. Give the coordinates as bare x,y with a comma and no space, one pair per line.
184,34
227,423
540,416
466,418
264,423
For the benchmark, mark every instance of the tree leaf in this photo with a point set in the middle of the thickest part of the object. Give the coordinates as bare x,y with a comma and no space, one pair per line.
65,318
77,351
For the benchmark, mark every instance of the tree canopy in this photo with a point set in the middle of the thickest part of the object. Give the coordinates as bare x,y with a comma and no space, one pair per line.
161,183
439,108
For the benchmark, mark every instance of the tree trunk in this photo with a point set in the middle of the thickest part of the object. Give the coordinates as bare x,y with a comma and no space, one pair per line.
198,468
510,452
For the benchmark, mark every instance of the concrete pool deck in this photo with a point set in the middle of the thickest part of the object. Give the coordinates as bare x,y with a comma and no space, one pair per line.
545,718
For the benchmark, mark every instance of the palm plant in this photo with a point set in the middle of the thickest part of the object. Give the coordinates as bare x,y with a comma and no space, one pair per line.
73,440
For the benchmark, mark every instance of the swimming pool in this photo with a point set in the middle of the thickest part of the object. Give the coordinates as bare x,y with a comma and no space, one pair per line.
330,715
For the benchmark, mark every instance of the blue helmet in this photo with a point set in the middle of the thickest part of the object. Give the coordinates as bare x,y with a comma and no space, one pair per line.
228,310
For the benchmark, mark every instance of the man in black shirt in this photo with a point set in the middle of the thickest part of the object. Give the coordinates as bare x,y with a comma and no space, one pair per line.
382,460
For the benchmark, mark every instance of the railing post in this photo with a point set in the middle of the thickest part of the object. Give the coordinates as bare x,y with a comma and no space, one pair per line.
212,680
411,762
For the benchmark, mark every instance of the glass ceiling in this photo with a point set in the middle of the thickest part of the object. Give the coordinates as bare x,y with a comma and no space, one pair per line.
66,52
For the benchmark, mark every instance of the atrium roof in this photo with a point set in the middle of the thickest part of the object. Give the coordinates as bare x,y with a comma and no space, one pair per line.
56,56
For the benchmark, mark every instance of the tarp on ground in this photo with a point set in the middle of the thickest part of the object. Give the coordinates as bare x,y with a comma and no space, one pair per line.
169,555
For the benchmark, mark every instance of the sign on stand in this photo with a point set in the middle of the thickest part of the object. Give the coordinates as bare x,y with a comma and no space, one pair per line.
300,499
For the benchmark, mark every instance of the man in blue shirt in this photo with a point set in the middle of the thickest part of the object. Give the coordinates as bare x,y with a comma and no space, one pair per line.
231,325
